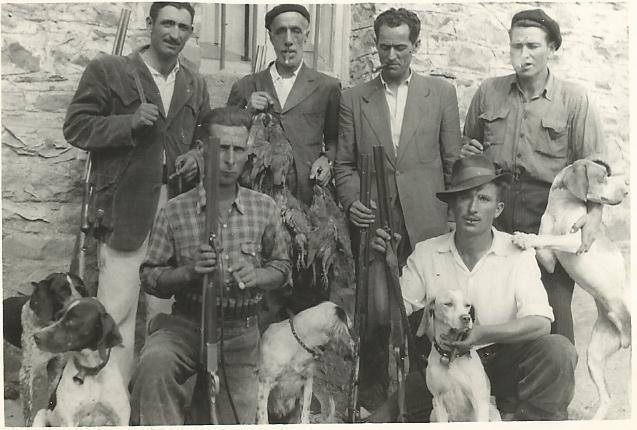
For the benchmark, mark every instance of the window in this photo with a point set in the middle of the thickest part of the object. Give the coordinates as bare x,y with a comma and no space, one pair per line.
245,40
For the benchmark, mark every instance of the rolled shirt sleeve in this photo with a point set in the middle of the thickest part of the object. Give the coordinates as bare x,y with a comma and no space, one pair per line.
160,255
530,295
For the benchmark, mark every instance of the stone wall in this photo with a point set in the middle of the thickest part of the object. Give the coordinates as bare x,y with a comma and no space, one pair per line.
45,48
466,43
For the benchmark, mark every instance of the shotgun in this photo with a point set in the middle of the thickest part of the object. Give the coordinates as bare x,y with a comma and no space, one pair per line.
209,340
393,279
362,279
78,263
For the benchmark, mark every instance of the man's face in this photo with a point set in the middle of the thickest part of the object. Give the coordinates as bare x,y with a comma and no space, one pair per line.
288,34
475,209
530,51
170,31
395,51
233,151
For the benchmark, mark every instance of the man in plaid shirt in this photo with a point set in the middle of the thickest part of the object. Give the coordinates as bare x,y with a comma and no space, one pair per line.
255,257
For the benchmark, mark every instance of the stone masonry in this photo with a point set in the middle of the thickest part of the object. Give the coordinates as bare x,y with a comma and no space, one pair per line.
45,48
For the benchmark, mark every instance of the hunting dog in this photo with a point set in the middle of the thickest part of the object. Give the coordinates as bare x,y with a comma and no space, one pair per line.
91,391
287,360
458,382
600,271
23,316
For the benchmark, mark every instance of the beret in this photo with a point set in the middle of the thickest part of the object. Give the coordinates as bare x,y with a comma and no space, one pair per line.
545,21
282,8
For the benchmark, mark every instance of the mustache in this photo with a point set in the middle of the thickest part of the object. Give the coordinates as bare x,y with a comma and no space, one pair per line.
379,68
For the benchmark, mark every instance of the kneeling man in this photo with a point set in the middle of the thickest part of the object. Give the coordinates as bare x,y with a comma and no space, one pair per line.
531,371
255,256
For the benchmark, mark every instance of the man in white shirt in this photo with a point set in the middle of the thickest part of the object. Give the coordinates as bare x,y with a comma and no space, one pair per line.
531,371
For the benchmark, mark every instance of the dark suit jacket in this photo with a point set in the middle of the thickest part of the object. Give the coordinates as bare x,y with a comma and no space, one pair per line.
429,144
309,117
127,168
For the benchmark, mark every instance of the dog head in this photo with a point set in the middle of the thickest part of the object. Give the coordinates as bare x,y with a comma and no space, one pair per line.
448,314
53,293
591,180
84,324
335,327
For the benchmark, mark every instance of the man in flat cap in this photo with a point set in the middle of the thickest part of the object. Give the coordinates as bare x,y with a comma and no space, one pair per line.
307,102
535,124
415,118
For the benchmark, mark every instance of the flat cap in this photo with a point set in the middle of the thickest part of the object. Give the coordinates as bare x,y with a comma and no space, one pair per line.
282,8
546,22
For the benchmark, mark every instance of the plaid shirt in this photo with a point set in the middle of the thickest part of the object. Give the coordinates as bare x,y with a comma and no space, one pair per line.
253,232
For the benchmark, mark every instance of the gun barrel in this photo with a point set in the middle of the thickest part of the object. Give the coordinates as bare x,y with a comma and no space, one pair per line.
382,186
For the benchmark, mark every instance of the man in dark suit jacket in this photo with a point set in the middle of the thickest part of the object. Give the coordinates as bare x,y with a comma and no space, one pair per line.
415,118
135,146
307,102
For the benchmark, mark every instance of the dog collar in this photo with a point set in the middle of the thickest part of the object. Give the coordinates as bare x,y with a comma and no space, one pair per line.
446,357
315,352
84,371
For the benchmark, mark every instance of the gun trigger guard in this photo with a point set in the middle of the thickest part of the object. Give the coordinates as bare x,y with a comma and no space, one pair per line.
214,384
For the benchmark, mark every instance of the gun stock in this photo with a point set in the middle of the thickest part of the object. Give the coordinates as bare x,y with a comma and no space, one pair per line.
209,339
78,262
362,279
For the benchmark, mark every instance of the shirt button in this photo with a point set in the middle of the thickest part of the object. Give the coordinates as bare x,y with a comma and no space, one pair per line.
226,256
519,155
225,226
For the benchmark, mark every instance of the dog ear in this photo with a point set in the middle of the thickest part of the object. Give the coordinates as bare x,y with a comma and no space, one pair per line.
110,336
472,313
41,302
427,319
576,180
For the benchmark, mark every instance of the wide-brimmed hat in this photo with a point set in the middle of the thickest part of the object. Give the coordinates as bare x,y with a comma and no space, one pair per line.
470,172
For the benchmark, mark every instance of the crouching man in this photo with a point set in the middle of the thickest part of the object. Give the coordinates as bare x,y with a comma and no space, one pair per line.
255,257
531,371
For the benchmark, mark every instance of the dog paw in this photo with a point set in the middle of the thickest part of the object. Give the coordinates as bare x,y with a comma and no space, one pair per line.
523,240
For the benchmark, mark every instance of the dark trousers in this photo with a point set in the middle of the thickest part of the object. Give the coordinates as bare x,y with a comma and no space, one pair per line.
524,204
533,380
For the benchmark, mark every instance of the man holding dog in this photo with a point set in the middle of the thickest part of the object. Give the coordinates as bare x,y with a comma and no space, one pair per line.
522,360
415,118
136,115
255,256
534,124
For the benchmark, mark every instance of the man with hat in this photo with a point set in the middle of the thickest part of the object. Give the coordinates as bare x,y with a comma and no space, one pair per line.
534,124
523,361
307,102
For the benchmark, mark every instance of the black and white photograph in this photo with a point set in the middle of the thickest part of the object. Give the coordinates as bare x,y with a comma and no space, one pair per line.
316,213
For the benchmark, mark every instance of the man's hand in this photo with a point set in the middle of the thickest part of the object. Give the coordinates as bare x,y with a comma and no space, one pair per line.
380,244
260,100
472,147
245,274
590,224
321,170
186,165
145,116
360,215
472,339
205,260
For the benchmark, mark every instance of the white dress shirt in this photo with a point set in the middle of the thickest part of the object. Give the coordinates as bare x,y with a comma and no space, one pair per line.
282,85
503,286
165,85
396,102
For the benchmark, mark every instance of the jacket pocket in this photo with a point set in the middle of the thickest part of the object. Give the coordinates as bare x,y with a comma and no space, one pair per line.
251,253
495,125
554,140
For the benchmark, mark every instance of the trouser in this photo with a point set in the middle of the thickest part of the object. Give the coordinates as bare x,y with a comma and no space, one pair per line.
524,204
118,290
171,356
534,380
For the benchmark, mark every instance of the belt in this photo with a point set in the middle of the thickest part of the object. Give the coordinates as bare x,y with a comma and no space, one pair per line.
488,351
189,305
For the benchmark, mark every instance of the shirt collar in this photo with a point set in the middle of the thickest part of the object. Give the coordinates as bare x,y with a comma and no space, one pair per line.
239,200
275,73
499,245
382,80
547,92
154,71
